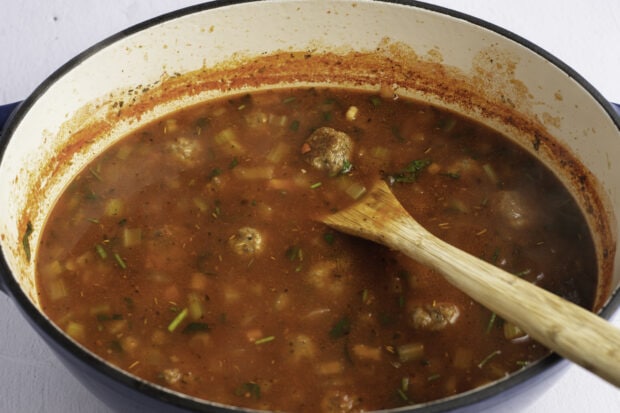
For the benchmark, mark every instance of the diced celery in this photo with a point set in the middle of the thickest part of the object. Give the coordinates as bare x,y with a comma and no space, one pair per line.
57,289
512,331
278,152
200,203
256,119
52,269
194,306
254,172
490,172
120,261
410,352
177,320
100,309
365,352
329,368
355,190
278,120
84,259
114,207
75,330
380,152
124,152
101,251
458,205
227,140
170,126
132,237
116,326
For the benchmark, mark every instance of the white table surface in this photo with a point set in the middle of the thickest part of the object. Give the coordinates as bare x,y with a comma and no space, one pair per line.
38,36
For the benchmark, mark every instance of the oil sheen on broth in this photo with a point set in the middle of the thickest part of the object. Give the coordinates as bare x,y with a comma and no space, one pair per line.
188,253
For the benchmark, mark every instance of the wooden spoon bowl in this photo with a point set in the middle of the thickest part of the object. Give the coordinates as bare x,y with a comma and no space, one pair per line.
571,331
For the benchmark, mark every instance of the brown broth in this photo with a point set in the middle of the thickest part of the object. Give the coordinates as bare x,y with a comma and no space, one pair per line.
136,261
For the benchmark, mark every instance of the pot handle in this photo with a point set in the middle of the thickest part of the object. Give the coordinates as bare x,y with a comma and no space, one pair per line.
616,106
5,113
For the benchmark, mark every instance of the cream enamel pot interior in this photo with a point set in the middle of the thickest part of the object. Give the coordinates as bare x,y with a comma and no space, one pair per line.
423,51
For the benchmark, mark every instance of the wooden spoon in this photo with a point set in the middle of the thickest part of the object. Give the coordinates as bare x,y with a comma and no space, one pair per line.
569,330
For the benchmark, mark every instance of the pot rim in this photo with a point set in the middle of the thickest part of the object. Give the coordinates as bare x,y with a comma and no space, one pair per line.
46,328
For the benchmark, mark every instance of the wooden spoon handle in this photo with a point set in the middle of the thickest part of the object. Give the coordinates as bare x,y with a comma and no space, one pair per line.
571,331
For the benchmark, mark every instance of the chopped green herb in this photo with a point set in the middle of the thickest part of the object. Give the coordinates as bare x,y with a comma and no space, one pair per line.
329,237
202,123
294,253
248,390
265,340
404,384
447,124
217,208
403,395
91,195
375,101
26,240
108,317
196,327
411,172
490,172
365,295
120,261
523,273
177,320
327,116
495,256
433,377
128,302
316,185
233,163
95,174
341,328
115,346
397,134
214,172
101,251
490,323
347,167
294,126
452,175
488,358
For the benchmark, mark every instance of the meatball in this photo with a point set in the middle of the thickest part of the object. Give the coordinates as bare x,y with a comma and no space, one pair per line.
337,400
247,241
518,211
434,317
186,150
328,150
171,376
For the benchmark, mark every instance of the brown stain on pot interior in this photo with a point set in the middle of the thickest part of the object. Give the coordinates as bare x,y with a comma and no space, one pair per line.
490,91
